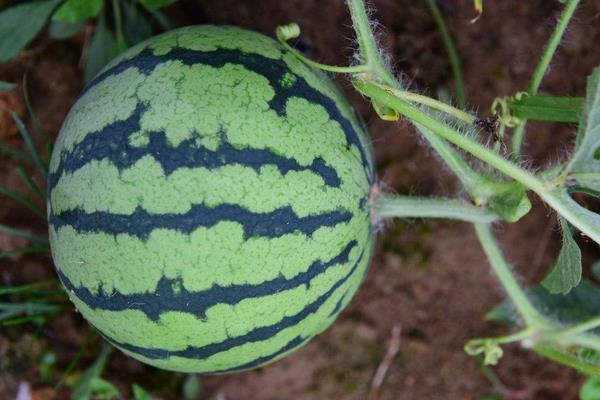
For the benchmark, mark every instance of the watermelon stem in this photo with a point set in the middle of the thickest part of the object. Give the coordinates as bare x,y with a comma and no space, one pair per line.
388,206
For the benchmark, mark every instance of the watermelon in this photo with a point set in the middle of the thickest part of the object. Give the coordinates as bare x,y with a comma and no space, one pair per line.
208,201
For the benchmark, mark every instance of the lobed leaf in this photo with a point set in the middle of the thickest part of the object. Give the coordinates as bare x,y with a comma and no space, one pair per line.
565,274
77,10
20,24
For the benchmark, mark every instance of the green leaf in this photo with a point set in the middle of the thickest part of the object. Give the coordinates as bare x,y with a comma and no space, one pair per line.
20,24
63,30
547,108
565,274
83,388
509,200
192,387
579,305
139,393
137,28
596,269
77,10
102,49
102,388
151,5
587,178
588,136
590,389
163,20
6,86
582,359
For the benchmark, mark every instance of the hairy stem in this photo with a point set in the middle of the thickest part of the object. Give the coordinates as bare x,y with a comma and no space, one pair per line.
435,104
369,52
582,219
542,67
528,312
387,206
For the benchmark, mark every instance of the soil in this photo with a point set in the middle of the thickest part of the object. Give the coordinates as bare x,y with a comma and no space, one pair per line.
430,278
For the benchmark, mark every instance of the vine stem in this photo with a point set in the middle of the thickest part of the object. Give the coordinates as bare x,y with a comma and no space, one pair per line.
582,327
435,104
387,206
560,201
369,52
531,316
542,67
459,81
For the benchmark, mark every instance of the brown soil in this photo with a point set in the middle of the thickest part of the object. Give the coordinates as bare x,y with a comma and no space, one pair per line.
430,277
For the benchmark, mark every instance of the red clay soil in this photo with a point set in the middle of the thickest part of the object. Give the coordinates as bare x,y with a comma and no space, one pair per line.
428,277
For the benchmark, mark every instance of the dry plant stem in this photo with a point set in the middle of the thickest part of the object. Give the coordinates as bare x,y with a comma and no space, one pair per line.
382,369
542,67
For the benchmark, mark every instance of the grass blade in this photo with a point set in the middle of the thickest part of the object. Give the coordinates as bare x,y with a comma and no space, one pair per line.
15,153
27,287
35,155
22,200
459,80
23,250
23,234
37,127
31,184
6,86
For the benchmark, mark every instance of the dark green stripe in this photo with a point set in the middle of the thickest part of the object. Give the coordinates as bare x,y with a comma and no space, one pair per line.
273,70
112,143
257,335
165,299
141,223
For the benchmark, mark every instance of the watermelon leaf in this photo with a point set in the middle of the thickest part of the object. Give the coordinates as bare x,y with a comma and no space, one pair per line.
565,274
20,24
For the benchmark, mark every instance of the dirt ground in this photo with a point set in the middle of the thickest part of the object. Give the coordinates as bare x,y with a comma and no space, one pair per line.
430,278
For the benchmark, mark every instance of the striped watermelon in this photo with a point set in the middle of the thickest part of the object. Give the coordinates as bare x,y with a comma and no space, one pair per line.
208,201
